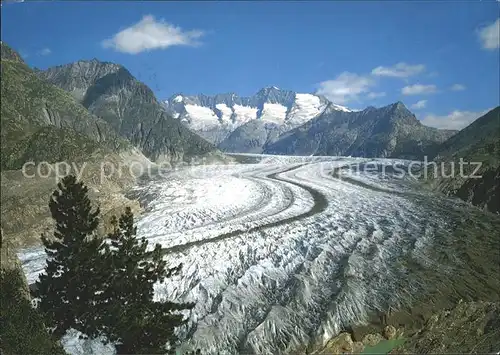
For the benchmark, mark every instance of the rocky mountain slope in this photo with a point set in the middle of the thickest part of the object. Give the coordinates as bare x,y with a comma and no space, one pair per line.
246,124
99,115
110,92
467,328
42,122
479,146
390,131
464,328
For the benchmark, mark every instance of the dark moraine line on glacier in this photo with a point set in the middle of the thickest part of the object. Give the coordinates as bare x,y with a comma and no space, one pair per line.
320,205
335,174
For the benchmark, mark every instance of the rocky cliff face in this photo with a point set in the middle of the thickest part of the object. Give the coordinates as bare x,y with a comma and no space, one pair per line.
479,146
251,137
468,328
110,92
42,122
391,131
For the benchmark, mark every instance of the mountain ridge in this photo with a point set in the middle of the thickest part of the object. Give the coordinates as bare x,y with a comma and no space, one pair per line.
110,91
388,131
478,143
31,107
217,117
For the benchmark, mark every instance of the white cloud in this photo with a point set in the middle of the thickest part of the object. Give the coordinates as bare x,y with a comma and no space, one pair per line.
490,35
375,95
45,51
418,89
399,70
149,34
454,120
457,87
419,104
345,88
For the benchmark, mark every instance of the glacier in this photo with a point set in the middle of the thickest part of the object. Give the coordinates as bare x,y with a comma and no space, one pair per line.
282,252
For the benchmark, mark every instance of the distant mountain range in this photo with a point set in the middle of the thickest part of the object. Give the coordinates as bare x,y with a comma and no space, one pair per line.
246,124
279,121
51,115
109,91
390,131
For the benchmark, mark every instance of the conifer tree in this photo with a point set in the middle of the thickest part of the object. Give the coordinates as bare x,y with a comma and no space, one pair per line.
74,272
22,330
104,288
139,325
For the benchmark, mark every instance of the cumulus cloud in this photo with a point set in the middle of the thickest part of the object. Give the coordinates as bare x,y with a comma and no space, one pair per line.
399,70
418,89
376,95
490,35
45,51
345,88
457,87
149,34
419,104
454,120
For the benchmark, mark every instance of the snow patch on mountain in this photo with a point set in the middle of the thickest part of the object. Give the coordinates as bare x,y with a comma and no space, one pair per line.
225,112
199,117
306,107
343,108
244,114
216,117
274,113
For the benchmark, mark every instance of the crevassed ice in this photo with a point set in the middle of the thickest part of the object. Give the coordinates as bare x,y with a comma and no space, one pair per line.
271,289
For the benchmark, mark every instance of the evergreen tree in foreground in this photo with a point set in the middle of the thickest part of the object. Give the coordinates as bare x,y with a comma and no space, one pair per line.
139,325
73,275
22,330
104,289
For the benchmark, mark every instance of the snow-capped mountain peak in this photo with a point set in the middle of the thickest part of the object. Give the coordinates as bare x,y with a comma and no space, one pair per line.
178,98
341,108
216,117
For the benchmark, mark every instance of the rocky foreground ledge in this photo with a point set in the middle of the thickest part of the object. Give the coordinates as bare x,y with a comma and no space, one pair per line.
467,328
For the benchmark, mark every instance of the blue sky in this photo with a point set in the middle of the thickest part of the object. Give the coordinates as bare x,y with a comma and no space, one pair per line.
440,58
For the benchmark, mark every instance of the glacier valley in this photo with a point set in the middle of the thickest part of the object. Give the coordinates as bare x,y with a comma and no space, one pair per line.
282,253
